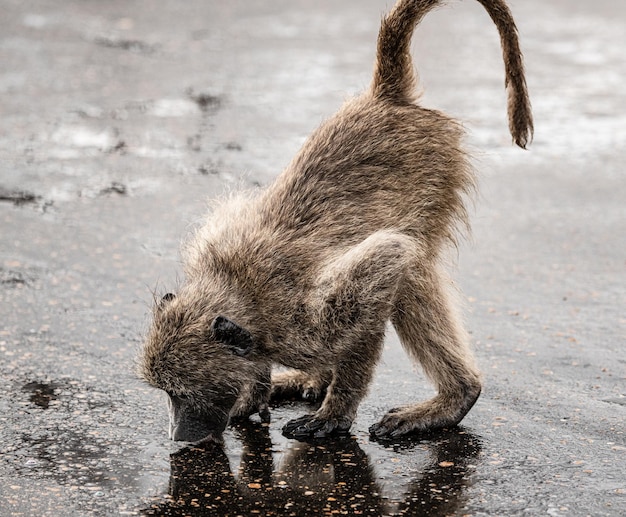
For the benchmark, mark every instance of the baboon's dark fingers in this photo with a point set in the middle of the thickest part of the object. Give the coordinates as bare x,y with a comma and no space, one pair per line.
308,426
264,413
249,408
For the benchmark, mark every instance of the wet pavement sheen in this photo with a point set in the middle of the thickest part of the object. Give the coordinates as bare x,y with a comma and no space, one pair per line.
120,120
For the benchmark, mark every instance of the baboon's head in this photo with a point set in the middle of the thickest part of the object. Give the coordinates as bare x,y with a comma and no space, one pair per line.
201,360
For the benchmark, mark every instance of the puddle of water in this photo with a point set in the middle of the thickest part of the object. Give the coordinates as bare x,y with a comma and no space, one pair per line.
76,440
324,478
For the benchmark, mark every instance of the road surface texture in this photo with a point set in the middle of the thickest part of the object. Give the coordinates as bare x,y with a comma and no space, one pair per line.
120,120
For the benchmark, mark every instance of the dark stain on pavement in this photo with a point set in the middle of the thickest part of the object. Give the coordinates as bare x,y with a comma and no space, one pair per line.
18,197
42,393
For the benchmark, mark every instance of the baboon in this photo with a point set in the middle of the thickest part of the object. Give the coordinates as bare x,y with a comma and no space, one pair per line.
306,273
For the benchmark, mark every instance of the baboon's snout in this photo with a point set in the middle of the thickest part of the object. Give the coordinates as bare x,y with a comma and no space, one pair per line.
187,425
192,430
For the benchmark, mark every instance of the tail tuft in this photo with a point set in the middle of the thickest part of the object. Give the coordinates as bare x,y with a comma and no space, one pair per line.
519,109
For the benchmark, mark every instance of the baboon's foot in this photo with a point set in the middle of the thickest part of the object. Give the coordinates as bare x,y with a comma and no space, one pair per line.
310,426
438,413
295,384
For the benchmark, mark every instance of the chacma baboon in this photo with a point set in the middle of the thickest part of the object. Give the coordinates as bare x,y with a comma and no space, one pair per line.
306,273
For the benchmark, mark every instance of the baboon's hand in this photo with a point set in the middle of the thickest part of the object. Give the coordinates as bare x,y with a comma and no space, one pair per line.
247,407
310,426
255,399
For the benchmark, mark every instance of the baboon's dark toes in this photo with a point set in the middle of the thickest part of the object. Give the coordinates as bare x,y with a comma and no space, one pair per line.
400,422
385,432
308,426
394,426
378,430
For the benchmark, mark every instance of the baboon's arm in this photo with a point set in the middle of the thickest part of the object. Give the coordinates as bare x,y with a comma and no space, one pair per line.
255,398
353,301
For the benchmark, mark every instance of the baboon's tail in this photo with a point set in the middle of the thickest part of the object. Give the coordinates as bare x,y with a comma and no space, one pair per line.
394,75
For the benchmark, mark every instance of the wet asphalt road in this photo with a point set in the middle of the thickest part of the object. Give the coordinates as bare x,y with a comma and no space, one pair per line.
119,120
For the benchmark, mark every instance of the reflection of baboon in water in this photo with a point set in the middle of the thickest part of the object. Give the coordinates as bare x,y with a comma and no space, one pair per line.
307,273
313,479
201,480
441,489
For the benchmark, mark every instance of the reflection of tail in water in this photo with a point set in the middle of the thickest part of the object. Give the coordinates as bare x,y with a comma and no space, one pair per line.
441,489
325,478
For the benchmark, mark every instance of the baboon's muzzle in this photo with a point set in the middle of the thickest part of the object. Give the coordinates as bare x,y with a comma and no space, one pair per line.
189,426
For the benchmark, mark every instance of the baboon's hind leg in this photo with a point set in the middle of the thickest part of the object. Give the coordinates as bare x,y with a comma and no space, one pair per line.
430,332
298,384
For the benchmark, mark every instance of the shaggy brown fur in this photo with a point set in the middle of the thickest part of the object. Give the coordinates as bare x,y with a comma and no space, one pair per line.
306,273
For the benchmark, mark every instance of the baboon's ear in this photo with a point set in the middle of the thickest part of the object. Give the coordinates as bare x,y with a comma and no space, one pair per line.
167,298
237,339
